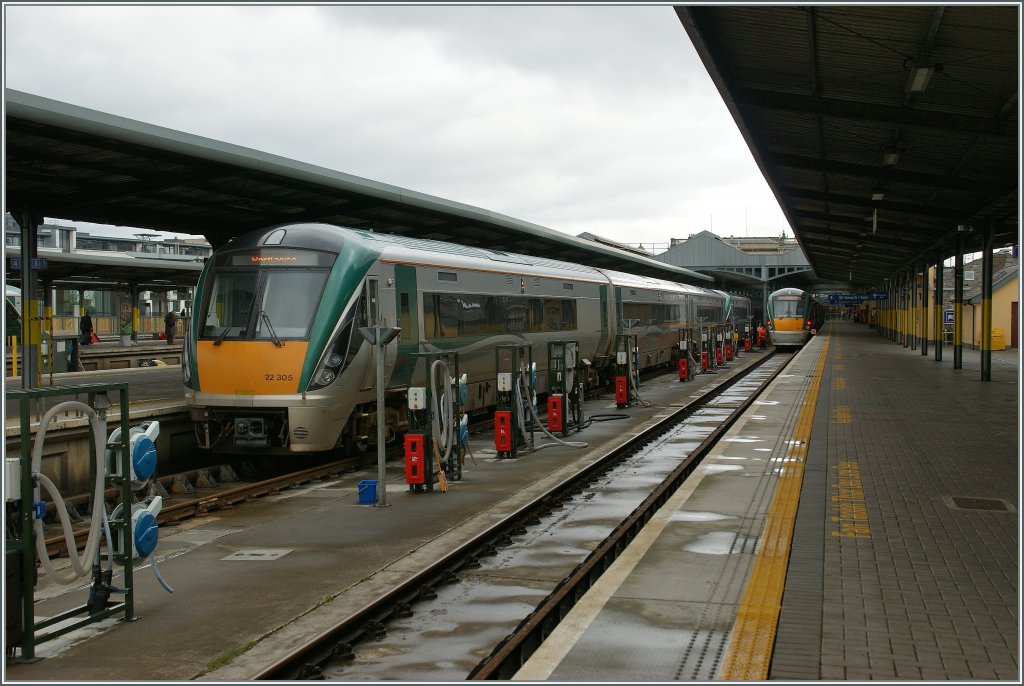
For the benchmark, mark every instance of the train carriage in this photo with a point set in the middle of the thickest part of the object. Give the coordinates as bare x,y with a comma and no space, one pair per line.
274,362
791,317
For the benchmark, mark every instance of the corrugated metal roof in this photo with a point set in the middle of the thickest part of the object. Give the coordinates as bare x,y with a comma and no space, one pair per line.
820,93
74,163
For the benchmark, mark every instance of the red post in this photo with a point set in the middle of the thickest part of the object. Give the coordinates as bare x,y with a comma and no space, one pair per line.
718,356
728,352
554,413
746,345
684,369
503,431
621,394
703,361
414,458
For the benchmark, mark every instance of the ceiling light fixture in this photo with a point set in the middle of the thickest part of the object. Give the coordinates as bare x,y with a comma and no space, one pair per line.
921,76
890,157
878,196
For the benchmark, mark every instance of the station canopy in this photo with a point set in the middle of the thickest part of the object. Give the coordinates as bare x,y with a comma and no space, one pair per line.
884,131
69,162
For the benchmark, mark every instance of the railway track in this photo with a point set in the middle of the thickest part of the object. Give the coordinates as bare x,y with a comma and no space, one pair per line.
180,507
484,608
207,500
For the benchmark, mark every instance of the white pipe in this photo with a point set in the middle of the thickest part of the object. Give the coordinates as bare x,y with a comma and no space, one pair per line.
98,428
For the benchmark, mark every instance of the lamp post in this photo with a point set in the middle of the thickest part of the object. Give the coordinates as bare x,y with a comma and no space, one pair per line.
379,336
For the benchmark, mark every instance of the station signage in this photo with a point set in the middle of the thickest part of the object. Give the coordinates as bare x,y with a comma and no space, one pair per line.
850,298
40,263
947,316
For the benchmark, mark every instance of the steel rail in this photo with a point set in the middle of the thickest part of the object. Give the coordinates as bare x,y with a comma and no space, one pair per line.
369,622
513,651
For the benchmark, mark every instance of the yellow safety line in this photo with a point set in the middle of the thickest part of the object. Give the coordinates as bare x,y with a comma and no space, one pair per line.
753,635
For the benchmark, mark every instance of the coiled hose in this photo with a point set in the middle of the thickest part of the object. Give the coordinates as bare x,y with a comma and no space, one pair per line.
97,426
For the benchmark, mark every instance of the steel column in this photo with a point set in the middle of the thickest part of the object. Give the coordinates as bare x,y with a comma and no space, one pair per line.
914,311
939,302
30,329
923,313
958,304
986,303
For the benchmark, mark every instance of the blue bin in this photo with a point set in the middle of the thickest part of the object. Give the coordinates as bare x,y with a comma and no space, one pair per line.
368,492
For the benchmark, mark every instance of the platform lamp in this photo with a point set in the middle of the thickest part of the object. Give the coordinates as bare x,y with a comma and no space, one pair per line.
379,336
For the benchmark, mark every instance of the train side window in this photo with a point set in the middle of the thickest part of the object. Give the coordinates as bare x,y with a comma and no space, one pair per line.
404,317
372,298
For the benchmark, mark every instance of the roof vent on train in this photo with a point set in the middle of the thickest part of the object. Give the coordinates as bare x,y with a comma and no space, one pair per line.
275,237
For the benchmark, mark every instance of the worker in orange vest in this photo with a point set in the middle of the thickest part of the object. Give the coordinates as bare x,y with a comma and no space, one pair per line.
762,337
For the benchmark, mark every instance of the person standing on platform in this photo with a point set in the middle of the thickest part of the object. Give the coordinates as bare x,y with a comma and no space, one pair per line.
170,324
762,337
85,328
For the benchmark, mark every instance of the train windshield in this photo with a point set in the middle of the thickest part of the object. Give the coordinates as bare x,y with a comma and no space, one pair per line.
262,302
789,307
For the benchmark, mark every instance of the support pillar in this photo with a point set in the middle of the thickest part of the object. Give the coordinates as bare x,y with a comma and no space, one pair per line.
905,311
958,304
986,303
937,319
923,312
914,310
30,334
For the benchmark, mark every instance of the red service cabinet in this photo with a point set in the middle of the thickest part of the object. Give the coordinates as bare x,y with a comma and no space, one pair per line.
503,431
554,413
621,393
414,459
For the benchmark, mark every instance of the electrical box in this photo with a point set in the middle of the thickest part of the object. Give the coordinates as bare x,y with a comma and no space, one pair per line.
12,479
621,357
504,382
682,345
503,431
414,459
555,408
417,398
704,336
621,392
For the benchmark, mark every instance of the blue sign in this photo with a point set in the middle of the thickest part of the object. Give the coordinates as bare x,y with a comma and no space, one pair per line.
840,298
37,263
947,316
846,298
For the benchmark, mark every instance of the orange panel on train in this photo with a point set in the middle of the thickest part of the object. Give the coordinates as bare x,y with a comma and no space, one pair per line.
246,368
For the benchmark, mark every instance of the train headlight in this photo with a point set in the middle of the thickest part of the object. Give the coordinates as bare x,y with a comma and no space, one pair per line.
340,351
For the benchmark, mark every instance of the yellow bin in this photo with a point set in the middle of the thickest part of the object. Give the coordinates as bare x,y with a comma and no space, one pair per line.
998,341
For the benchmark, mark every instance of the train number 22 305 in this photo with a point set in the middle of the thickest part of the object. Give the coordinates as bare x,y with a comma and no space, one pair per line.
278,377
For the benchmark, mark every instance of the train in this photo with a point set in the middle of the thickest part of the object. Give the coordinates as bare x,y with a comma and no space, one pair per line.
793,317
273,361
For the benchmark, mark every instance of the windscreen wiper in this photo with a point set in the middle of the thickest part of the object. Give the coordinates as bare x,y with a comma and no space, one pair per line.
277,341
223,333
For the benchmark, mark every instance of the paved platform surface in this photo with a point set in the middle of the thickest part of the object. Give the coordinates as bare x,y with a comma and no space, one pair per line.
904,557
253,581
891,575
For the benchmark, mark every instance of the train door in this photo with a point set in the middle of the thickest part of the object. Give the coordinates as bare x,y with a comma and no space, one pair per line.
408,319
368,313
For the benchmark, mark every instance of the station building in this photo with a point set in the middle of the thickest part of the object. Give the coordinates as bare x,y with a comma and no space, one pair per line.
105,301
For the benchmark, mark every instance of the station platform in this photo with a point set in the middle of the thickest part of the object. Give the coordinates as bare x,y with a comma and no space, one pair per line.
882,569
255,580
860,523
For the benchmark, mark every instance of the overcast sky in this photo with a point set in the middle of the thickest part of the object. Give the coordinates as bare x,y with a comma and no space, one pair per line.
581,118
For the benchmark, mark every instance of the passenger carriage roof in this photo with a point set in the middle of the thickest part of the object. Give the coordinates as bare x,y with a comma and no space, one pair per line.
422,250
